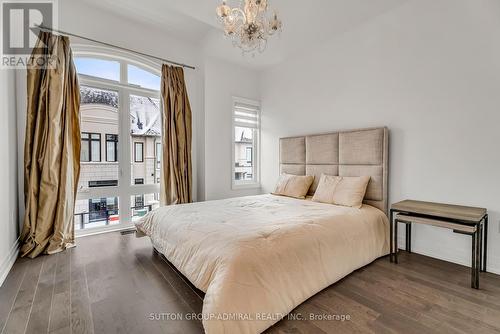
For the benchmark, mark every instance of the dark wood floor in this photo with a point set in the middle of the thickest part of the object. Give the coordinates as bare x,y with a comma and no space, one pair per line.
113,283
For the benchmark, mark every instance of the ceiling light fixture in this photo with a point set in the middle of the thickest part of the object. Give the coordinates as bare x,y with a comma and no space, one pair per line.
249,25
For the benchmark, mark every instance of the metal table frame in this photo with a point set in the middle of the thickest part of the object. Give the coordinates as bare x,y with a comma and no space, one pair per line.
479,240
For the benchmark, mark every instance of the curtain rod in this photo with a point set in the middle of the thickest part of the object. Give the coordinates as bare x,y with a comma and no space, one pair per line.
114,46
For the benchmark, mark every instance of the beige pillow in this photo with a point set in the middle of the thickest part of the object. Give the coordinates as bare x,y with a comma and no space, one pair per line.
293,185
342,190
325,189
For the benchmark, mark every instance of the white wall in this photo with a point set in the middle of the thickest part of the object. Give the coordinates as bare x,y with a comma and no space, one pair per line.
223,80
430,71
9,226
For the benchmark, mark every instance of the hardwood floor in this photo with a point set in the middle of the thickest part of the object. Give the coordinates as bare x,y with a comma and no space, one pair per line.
113,283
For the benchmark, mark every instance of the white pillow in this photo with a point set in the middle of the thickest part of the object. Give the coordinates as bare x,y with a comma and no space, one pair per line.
293,185
341,190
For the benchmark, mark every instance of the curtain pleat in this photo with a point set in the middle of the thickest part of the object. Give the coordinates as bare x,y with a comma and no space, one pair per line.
52,150
176,171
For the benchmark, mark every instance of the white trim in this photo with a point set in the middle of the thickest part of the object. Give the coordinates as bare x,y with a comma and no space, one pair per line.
253,184
9,261
101,230
108,53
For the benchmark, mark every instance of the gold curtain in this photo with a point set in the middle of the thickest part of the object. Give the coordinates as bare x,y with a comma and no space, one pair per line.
176,137
51,151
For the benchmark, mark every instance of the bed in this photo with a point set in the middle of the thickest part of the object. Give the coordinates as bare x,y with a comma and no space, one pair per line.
258,257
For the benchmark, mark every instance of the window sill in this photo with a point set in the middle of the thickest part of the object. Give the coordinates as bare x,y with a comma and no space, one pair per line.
246,186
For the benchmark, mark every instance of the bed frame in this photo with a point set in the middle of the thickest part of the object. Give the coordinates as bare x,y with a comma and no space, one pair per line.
343,153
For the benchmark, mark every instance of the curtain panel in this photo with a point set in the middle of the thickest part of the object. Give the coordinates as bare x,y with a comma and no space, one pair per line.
52,150
176,171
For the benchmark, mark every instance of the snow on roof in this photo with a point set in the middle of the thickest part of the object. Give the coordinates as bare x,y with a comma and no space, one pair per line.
89,95
145,114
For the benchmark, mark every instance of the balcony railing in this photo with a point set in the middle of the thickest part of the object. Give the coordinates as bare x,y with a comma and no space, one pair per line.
83,218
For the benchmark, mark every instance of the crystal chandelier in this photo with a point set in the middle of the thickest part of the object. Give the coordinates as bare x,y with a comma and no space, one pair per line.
248,25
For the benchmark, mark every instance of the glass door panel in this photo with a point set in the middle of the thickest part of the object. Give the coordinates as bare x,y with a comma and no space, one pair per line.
145,135
99,167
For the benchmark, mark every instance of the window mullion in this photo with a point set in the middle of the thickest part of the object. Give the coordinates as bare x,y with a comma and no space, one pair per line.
124,156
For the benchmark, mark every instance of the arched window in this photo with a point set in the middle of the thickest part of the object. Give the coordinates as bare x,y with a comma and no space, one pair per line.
120,112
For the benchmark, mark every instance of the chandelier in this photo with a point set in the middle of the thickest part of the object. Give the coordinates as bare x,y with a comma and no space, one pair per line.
248,25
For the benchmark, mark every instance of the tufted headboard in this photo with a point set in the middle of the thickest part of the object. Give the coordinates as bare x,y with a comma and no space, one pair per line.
343,153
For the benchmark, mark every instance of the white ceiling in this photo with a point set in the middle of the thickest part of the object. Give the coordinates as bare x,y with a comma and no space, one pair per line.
305,23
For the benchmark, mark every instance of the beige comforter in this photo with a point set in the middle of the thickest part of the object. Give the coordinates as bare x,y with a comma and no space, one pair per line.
259,257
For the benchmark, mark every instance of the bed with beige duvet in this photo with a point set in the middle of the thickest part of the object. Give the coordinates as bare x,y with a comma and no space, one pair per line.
258,257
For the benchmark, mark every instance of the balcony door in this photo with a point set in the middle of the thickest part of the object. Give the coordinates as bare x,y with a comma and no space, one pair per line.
120,126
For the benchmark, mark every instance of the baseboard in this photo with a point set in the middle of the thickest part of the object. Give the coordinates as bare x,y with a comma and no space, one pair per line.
8,262
494,269
492,265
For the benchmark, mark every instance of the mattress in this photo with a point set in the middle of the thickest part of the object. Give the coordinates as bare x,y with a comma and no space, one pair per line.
258,257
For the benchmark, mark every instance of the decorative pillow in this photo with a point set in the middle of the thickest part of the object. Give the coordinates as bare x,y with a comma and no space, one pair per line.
293,185
325,189
342,190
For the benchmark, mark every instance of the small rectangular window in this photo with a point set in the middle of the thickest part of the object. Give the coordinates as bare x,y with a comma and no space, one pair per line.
85,150
139,181
103,183
246,135
111,148
249,154
138,152
91,147
158,155
139,202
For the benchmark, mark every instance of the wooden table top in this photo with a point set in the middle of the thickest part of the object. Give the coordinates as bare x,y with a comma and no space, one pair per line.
459,212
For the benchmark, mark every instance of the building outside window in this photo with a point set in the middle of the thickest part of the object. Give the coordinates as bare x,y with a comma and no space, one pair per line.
138,152
103,209
103,183
91,147
158,155
139,202
111,148
249,155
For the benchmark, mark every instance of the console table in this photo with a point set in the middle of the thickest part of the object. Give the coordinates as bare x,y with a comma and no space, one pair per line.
460,219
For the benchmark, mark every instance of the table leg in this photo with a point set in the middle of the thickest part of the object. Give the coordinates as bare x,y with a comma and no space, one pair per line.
473,264
481,231
406,236
391,236
478,258
409,238
396,241
485,242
